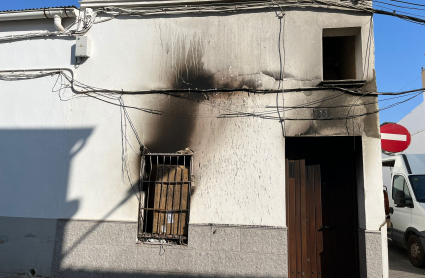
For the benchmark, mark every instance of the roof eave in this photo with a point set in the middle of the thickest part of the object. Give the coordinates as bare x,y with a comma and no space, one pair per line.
140,4
39,13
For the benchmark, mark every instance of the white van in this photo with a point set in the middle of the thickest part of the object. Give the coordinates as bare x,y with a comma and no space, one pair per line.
404,184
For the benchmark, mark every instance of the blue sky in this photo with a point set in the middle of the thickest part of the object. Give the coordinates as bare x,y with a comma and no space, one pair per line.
399,51
26,4
399,57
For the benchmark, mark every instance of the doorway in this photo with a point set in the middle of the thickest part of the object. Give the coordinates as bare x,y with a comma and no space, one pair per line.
321,206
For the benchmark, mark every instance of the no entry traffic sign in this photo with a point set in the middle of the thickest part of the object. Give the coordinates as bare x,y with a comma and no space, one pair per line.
394,138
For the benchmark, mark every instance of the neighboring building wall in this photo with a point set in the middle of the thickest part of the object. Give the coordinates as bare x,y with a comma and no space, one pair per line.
416,127
68,147
415,124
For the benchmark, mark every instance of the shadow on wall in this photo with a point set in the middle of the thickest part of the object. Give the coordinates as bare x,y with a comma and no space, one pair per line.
69,236
34,173
86,248
34,170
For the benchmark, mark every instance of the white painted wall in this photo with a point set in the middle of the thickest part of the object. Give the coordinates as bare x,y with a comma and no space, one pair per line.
225,46
373,196
374,199
415,123
239,162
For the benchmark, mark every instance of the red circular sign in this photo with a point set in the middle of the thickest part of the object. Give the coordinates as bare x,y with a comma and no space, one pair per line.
394,138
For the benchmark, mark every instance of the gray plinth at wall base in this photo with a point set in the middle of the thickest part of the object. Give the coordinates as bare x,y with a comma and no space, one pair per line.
110,249
370,254
26,244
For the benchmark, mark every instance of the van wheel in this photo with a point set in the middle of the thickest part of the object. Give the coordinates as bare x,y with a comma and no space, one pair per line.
415,251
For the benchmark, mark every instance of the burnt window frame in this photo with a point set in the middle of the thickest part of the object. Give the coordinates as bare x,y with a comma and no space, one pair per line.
146,231
340,32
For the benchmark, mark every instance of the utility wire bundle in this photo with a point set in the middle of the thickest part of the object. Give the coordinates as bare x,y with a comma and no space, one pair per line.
85,22
78,28
400,9
110,96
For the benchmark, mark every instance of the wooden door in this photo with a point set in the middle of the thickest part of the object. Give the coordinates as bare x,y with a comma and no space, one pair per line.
321,207
304,219
339,217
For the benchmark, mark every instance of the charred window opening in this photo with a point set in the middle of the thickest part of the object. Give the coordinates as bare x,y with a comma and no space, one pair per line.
342,54
166,181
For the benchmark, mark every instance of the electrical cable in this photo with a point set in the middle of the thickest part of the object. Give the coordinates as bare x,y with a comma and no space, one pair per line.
130,122
404,7
410,3
90,89
348,114
124,142
20,75
318,88
402,12
90,19
247,114
404,87
281,17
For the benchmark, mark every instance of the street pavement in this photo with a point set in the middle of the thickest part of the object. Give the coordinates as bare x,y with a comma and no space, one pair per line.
9,275
400,266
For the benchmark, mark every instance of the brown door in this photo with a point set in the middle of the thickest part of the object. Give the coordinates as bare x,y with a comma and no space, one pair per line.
321,207
304,216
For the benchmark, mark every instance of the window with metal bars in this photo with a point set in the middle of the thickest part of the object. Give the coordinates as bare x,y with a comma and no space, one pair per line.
165,187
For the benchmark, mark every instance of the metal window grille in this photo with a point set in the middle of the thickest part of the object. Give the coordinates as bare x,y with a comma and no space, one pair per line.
165,187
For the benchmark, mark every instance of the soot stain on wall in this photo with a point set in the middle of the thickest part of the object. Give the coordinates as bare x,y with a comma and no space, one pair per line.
240,82
174,129
340,108
370,85
188,67
189,71
371,122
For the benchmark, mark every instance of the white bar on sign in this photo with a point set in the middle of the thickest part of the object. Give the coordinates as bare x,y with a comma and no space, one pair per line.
395,137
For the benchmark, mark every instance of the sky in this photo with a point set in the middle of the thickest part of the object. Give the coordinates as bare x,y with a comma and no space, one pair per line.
399,52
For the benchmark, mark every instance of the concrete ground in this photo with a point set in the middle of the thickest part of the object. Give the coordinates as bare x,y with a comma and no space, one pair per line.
8,275
400,266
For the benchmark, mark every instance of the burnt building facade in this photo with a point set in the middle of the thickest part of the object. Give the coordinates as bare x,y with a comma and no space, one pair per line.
191,138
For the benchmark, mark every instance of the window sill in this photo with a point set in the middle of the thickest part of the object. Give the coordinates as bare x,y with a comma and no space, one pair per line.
347,83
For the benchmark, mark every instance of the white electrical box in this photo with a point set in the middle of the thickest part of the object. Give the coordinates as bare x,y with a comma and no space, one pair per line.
82,47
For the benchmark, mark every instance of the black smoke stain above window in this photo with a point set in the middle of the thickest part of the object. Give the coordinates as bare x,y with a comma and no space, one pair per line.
188,66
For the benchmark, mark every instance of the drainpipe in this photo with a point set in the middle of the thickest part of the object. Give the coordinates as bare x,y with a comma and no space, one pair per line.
56,13
58,23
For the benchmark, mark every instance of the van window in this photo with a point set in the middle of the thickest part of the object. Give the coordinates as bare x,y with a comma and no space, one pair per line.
399,184
418,185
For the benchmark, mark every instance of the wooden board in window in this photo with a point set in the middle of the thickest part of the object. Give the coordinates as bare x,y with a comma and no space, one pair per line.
169,198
